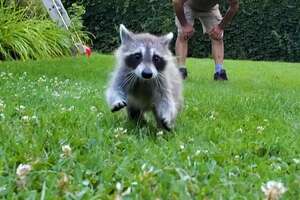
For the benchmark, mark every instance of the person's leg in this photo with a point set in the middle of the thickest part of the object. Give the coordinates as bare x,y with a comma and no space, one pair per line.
181,49
217,47
209,20
181,46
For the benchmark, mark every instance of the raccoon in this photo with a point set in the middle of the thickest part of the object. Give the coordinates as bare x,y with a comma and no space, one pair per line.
146,78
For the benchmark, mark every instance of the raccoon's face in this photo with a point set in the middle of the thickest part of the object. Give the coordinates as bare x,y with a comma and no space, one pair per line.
144,54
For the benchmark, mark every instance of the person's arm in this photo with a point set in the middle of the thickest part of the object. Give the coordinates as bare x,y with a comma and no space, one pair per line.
187,29
179,11
231,12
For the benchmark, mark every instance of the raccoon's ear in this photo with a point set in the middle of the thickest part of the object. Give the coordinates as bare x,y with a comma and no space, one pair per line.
166,39
125,34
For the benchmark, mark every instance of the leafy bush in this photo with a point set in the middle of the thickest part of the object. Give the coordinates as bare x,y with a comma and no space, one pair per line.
26,32
261,30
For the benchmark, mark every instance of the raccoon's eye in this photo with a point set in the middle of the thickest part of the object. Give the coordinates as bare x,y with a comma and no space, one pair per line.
159,62
134,60
137,56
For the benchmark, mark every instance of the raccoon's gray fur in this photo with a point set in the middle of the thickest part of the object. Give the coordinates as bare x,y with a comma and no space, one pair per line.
146,78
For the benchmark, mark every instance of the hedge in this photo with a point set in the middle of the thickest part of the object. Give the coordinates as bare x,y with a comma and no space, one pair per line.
262,30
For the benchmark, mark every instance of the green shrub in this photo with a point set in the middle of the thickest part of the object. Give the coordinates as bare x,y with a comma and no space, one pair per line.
26,32
262,29
24,38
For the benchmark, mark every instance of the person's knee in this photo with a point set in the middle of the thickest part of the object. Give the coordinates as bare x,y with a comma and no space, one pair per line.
181,38
217,42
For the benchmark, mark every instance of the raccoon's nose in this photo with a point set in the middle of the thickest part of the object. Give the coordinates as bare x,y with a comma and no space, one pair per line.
147,73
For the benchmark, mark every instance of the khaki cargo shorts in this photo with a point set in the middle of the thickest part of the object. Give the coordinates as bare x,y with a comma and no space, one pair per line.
208,19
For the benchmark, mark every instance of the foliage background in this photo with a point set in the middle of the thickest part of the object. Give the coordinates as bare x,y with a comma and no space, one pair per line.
262,30
27,32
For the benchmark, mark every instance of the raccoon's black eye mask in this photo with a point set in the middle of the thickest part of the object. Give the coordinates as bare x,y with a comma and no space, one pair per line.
133,60
159,62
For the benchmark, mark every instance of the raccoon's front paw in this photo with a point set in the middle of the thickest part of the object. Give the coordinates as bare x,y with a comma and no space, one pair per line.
118,106
166,124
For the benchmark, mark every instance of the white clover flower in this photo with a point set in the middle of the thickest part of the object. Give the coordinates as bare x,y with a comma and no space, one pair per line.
197,152
160,133
2,74
93,109
23,170
71,108
3,189
127,191
296,161
181,146
55,94
273,190
66,149
25,118
260,129
119,186
2,116
21,107
85,182
34,117
212,117
120,130
2,106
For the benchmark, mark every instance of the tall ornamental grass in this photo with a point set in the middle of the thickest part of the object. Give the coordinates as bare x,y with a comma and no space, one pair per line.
24,36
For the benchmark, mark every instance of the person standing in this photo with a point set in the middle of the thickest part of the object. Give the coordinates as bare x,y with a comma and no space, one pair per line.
213,24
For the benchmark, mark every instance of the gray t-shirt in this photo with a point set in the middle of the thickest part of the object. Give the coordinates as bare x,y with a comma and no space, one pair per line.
202,5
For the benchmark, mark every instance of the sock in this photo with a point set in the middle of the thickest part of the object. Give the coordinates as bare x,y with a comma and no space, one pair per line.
218,67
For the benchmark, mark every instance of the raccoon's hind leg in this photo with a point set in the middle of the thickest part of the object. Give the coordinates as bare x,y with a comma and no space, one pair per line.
135,114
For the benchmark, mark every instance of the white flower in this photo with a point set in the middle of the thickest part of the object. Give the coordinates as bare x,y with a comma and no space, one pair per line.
85,182
2,105
197,152
182,147
119,186
160,133
2,116
23,170
66,149
3,74
93,109
212,117
120,130
296,161
260,129
71,108
127,191
21,107
34,117
55,94
25,118
273,190
3,189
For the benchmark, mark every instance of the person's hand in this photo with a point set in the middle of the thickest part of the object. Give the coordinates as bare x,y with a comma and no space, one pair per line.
188,31
216,33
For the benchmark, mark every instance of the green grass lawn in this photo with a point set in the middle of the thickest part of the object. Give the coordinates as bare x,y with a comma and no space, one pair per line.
230,138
